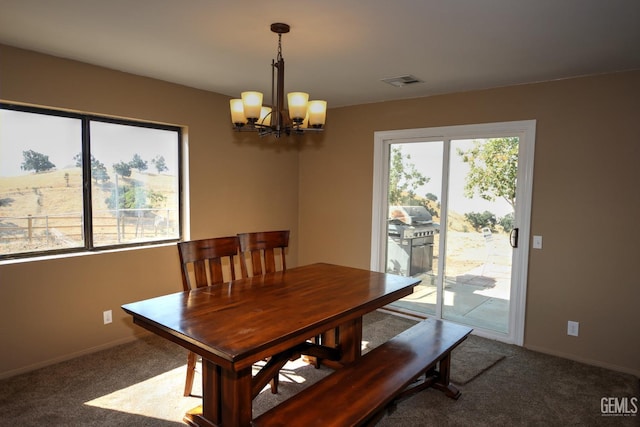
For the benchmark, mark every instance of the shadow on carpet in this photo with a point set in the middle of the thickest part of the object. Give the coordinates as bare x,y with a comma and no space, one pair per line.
468,361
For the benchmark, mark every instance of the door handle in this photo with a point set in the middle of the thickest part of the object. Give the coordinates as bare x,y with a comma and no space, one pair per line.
513,238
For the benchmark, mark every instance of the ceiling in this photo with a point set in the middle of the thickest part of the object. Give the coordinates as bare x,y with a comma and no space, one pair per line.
337,50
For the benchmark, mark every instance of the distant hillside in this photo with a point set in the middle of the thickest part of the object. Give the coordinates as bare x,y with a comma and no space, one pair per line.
457,222
59,191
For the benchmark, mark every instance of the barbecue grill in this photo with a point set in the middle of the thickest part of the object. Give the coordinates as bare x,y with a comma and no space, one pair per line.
411,233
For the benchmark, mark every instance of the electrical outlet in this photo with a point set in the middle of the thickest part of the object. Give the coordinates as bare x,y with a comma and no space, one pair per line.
537,242
106,317
573,328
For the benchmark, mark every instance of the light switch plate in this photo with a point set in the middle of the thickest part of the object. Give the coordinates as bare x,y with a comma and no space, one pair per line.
537,242
573,328
107,317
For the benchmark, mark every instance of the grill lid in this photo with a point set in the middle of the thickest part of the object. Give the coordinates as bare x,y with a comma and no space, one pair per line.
409,215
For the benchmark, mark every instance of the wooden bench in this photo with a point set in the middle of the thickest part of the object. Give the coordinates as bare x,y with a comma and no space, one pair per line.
359,393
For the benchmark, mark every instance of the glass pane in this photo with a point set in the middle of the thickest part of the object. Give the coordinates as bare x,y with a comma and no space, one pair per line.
481,200
40,182
134,184
415,183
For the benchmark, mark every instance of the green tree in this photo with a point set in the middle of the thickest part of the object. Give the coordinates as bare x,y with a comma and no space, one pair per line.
493,169
99,172
432,204
138,163
432,197
122,169
98,169
479,220
35,161
134,197
78,159
507,222
129,197
157,199
160,164
404,179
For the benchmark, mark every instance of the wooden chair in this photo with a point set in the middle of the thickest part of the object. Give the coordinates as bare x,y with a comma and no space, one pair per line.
204,263
262,249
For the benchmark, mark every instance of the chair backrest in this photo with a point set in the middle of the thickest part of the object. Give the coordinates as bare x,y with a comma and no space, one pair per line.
262,248
209,258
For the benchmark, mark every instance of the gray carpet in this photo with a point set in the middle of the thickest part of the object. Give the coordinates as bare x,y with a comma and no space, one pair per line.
140,384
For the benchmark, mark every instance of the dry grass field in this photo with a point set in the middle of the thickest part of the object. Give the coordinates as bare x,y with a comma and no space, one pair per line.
54,201
467,248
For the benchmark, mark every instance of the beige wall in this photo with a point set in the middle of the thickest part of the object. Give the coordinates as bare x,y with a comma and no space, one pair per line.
51,310
586,202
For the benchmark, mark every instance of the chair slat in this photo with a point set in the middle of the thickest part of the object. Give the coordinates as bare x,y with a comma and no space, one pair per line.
261,247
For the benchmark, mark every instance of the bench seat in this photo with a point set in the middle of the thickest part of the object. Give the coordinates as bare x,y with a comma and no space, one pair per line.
358,393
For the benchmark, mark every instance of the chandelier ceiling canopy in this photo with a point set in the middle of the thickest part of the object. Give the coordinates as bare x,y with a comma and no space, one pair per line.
248,114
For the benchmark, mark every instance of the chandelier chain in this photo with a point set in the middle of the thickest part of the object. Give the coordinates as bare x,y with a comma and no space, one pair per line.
279,57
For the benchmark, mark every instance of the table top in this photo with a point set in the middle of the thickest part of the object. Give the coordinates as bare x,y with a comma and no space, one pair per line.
243,321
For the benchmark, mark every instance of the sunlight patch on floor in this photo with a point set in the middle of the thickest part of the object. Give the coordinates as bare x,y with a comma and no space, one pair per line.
137,398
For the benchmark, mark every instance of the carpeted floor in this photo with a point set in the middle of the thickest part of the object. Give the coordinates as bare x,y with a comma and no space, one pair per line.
140,384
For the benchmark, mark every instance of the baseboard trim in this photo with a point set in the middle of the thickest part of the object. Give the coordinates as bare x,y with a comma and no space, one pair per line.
69,356
544,350
587,361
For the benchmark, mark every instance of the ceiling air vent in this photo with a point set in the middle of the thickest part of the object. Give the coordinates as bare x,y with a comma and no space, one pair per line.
402,80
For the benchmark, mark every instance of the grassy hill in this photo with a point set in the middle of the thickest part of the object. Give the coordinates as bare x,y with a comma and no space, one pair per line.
54,200
59,191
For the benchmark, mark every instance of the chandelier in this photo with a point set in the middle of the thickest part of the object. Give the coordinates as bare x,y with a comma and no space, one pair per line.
249,115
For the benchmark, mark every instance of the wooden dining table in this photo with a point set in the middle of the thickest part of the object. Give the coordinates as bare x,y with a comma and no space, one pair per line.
272,317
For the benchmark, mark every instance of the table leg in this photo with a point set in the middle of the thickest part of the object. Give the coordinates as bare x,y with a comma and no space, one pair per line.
236,398
350,336
207,414
211,391
330,338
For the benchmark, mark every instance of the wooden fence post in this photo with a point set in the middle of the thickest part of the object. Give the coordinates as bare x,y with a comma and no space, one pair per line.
29,227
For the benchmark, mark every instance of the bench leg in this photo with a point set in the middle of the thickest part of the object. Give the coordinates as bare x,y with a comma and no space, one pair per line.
442,383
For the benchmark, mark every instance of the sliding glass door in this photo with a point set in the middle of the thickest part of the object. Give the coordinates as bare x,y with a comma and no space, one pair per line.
445,210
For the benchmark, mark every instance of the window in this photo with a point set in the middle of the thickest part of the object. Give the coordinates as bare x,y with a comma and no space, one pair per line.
73,182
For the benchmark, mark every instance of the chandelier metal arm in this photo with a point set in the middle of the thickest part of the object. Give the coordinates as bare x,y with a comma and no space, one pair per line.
280,119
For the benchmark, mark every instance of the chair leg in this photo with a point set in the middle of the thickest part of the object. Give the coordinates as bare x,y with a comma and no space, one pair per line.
274,384
191,371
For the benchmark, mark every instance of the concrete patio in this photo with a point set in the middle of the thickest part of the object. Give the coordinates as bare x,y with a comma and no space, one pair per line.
479,297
